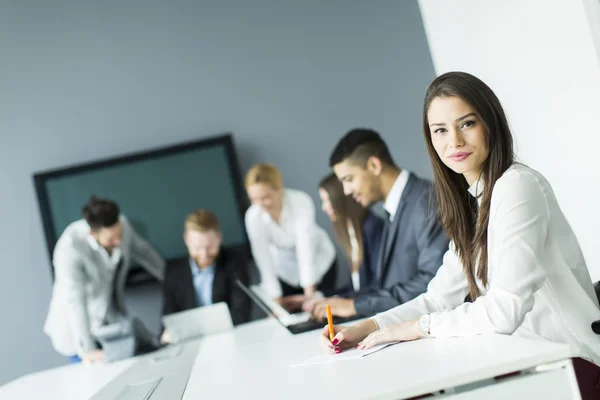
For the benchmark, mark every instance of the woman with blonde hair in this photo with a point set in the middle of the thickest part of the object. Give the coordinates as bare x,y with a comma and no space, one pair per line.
293,254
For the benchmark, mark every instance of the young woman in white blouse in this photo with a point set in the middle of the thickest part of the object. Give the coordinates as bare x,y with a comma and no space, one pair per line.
511,248
293,254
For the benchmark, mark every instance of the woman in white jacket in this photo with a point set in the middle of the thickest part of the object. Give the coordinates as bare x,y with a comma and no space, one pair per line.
511,248
293,254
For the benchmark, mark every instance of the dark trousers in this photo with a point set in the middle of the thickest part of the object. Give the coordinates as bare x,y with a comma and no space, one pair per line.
327,284
588,378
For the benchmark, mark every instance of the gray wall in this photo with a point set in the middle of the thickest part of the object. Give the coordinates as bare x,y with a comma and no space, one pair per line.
83,81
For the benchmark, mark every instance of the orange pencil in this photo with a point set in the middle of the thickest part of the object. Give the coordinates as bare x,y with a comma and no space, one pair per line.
330,322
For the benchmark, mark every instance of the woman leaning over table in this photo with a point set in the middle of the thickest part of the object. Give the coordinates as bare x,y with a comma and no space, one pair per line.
295,257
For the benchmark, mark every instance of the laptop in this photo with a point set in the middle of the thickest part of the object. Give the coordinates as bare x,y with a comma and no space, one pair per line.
197,322
295,323
117,340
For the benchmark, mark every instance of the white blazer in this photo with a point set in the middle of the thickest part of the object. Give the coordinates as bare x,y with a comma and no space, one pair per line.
538,284
296,250
82,295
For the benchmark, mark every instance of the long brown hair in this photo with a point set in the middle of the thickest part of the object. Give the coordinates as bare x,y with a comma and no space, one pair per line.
465,223
346,211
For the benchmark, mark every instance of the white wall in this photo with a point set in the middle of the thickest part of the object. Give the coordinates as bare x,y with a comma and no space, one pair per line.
539,57
84,80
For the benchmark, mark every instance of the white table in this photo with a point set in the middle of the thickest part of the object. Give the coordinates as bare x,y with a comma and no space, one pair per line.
228,368
171,365
101,381
174,364
76,381
253,361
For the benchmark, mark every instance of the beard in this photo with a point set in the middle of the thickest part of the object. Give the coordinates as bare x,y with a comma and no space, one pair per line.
207,262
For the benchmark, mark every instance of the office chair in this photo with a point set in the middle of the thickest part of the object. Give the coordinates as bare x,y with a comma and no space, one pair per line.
596,324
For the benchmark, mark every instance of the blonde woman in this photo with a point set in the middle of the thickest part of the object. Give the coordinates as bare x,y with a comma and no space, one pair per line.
293,254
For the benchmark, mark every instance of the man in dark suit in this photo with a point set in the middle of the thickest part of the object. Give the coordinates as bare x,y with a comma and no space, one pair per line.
413,241
208,276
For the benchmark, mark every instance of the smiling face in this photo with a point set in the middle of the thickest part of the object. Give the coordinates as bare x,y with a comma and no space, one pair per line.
109,237
458,136
203,247
363,184
266,197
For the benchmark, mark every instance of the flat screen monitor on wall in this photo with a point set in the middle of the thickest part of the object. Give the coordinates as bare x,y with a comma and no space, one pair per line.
155,189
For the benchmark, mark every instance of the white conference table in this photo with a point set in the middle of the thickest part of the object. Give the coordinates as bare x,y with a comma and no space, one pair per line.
254,361
227,368
75,381
78,381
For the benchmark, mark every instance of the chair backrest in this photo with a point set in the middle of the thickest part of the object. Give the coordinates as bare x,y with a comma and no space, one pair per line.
596,324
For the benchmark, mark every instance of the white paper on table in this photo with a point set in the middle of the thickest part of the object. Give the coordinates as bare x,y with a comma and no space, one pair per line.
348,354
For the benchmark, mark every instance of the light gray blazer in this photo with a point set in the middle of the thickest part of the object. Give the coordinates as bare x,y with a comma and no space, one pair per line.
82,295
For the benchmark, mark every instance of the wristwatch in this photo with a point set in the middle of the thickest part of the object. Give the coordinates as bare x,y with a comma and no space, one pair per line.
424,325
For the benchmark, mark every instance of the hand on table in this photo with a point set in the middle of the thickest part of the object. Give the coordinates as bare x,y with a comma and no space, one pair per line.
346,336
93,357
403,332
291,303
309,302
340,307
165,338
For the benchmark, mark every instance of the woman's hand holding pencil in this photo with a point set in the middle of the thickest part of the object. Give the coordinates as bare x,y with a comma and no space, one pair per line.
335,338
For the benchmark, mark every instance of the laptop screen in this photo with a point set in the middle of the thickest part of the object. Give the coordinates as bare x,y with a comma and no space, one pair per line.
263,306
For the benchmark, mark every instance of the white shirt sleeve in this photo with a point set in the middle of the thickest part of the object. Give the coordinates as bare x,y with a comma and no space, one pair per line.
515,274
305,226
259,244
445,291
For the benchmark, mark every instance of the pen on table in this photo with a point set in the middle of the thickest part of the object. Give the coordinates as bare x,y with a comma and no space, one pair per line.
330,322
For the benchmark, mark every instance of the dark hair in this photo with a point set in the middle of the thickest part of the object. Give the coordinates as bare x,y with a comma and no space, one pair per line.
100,213
465,223
346,210
358,145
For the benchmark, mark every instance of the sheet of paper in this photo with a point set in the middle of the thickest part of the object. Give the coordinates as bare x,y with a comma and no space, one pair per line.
349,354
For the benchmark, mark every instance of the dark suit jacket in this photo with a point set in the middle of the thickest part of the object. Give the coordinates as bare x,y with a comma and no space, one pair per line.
179,293
371,233
411,252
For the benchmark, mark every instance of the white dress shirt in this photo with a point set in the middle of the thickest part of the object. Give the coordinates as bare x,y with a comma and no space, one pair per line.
393,198
354,275
108,263
110,260
296,250
538,283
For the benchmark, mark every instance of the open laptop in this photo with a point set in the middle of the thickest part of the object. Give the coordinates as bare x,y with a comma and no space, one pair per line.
117,340
295,323
197,322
